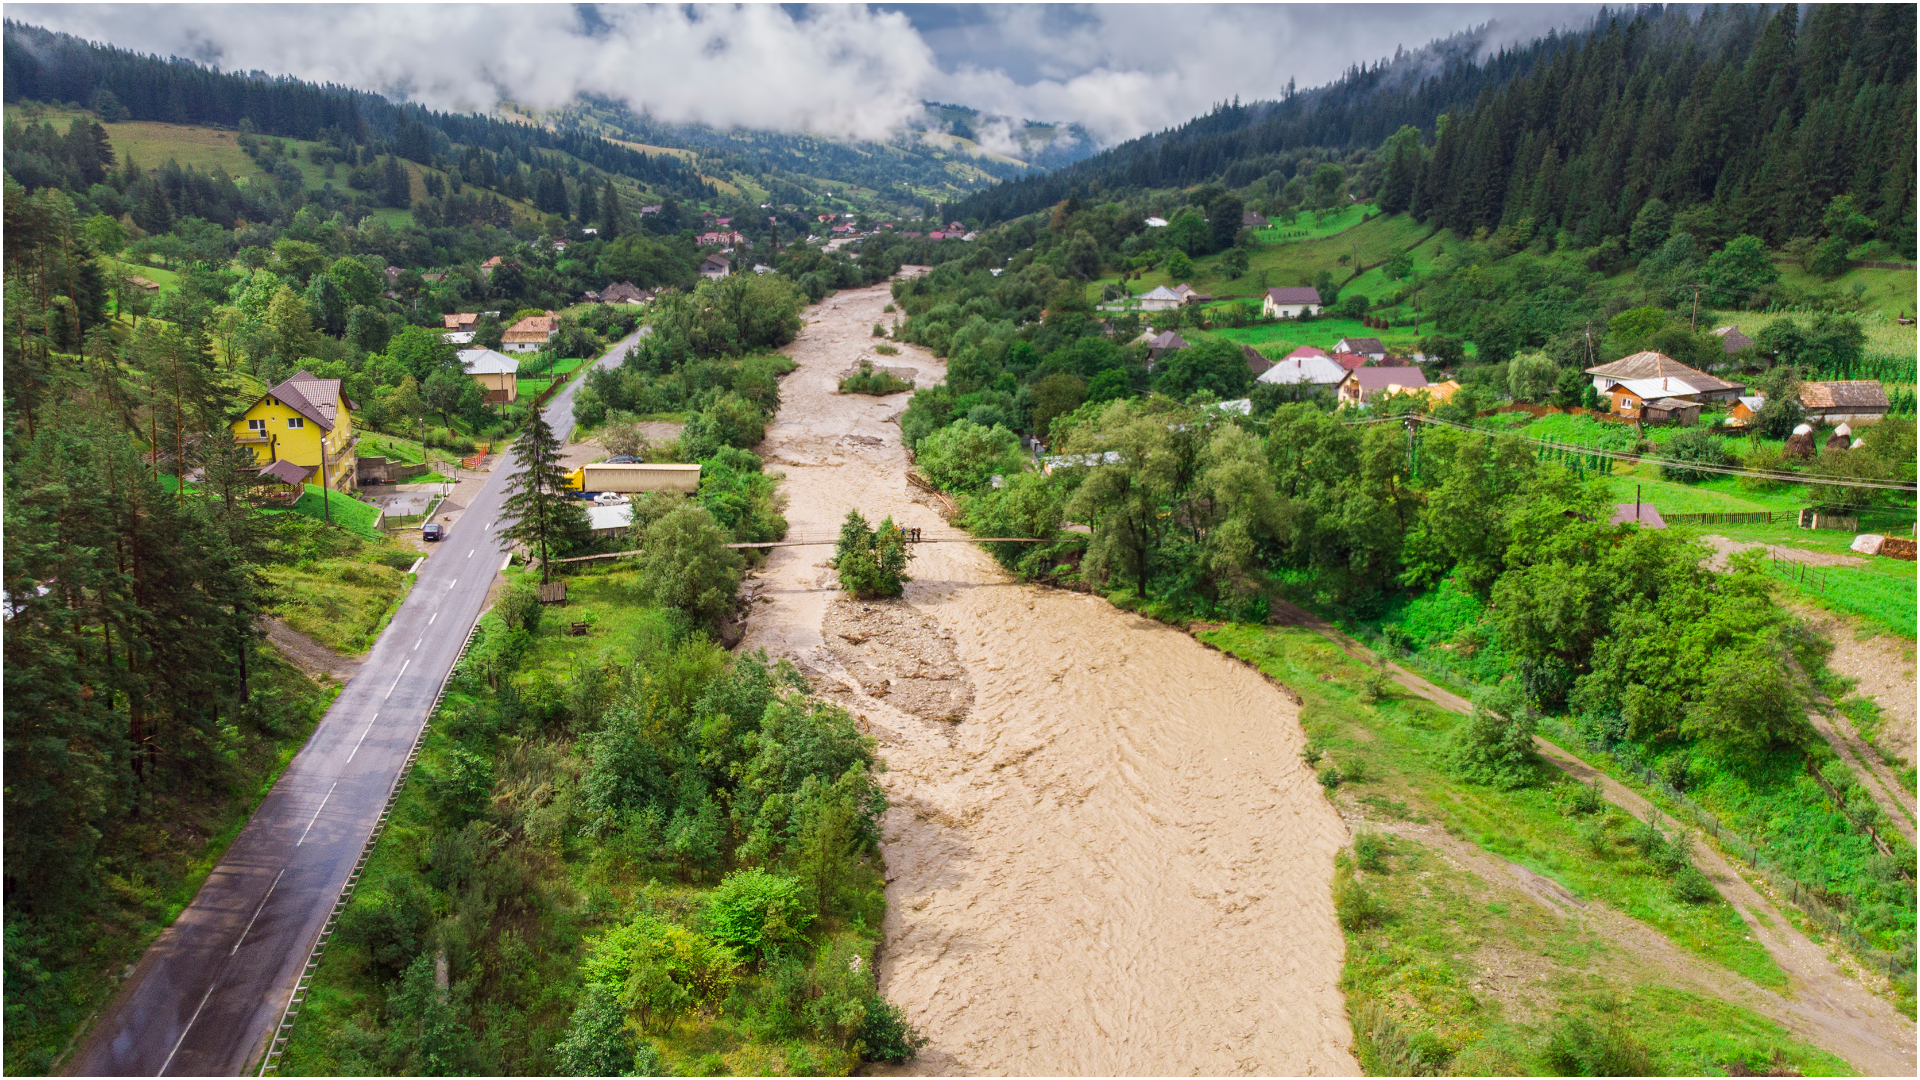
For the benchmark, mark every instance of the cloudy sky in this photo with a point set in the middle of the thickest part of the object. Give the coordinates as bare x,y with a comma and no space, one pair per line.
844,71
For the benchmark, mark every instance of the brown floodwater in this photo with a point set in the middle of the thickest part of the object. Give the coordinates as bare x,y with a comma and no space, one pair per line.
1104,854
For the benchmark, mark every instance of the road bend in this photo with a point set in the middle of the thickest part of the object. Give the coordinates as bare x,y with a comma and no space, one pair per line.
208,994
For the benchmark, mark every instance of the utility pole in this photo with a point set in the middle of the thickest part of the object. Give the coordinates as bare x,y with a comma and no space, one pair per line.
1693,324
326,506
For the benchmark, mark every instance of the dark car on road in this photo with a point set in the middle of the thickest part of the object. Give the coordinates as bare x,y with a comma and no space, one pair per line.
433,532
623,459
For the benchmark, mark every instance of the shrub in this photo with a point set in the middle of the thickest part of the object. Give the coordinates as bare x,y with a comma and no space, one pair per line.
660,969
757,912
876,381
887,1036
1578,1047
1357,907
1580,799
730,420
519,606
872,562
1494,745
1370,852
1695,444
391,924
887,350
1330,777
1690,886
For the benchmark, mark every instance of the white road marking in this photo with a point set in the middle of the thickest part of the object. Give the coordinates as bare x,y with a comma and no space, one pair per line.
316,816
432,617
363,735
396,681
416,645
452,583
183,1031
470,553
258,910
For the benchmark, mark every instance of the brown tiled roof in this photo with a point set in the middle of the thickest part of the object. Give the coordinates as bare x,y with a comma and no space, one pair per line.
1167,341
1731,339
1256,363
461,320
291,395
1377,378
1849,393
1653,365
323,393
1294,294
1366,345
287,472
533,324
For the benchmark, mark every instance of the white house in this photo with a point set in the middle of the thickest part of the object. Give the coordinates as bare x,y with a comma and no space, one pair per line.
1370,347
1291,302
1160,299
1657,375
1156,223
715,266
530,334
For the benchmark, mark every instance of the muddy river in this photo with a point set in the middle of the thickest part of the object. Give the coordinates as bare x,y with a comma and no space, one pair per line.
1104,854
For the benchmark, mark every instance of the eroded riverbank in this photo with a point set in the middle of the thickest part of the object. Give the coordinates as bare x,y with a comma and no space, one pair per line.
1113,860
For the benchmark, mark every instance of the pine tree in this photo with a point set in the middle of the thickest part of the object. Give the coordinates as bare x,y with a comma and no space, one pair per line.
542,515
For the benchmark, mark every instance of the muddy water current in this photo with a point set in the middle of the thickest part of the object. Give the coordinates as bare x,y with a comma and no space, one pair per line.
1104,853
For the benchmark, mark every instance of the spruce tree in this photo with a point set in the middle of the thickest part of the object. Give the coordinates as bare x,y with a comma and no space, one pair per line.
540,512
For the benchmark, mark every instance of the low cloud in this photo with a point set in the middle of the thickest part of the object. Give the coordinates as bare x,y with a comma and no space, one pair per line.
845,72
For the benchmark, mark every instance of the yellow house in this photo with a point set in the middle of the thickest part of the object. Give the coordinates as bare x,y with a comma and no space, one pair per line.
295,421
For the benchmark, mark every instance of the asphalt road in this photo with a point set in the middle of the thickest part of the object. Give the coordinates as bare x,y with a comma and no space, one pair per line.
207,995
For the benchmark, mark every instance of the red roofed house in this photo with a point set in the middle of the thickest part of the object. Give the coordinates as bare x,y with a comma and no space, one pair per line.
1350,361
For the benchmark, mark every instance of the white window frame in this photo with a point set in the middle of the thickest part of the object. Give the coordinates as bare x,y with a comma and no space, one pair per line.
295,423
257,427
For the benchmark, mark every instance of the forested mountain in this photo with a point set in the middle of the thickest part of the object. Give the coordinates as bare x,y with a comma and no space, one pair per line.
118,84
1762,113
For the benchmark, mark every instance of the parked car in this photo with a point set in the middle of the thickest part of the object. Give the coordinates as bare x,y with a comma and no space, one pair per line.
609,498
431,532
623,459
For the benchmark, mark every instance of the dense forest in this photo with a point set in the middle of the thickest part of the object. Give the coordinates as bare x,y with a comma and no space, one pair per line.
1762,114
45,66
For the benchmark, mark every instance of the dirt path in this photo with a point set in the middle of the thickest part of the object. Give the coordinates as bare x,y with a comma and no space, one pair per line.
1828,1006
1113,860
314,659
1725,546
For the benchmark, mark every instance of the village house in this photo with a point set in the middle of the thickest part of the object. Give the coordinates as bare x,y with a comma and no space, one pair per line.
1850,401
1257,364
457,337
1310,370
1251,220
1163,344
303,421
1671,411
1633,380
1189,296
1370,347
1731,339
1350,361
460,320
1743,411
487,268
497,375
1366,385
715,267
530,334
1291,302
624,292
1156,223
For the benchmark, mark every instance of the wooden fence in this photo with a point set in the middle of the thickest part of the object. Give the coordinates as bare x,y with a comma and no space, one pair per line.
1758,517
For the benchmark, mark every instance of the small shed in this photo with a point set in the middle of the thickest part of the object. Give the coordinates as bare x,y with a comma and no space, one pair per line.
554,592
1637,513
1671,411
289,481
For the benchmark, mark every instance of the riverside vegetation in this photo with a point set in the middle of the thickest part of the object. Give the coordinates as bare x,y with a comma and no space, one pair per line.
622,854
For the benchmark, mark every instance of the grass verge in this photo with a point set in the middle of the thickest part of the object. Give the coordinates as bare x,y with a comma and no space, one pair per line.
1395,749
